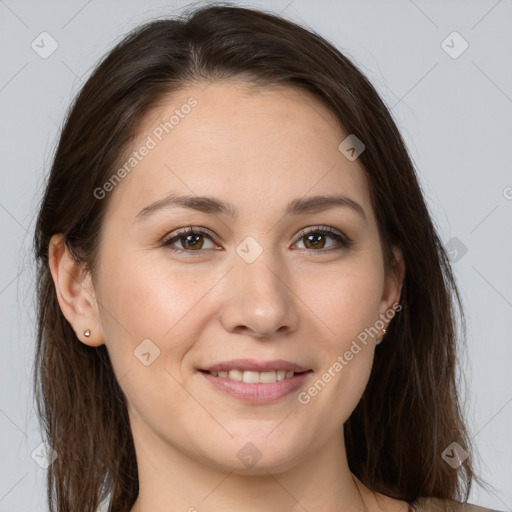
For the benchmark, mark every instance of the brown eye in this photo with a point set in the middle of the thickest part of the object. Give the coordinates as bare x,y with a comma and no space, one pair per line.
191,240
315,239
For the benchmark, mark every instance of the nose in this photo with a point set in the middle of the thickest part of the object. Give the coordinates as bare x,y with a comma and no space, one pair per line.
259,299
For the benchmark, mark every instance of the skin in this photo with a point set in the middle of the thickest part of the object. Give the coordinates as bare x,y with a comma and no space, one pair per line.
257,149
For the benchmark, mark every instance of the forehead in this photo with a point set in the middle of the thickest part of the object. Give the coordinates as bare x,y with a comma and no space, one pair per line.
239,143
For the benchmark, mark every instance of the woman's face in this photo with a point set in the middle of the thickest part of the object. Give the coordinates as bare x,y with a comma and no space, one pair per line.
253,288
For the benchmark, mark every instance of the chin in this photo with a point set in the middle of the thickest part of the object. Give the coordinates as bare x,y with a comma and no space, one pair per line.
254,455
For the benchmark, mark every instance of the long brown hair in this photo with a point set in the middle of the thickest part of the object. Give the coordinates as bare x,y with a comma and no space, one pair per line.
410,411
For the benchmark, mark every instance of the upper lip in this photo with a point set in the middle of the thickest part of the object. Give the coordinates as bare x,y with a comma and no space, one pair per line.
255,365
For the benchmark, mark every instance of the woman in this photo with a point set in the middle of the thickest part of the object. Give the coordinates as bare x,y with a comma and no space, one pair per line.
197,351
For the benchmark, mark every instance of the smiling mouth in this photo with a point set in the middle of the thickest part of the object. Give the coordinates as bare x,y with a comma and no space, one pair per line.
255,377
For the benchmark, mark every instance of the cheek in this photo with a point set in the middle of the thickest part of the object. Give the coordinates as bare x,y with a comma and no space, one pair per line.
150,321
345,303
345,300
145,299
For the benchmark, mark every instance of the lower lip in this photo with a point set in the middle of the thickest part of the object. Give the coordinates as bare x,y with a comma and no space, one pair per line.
258,393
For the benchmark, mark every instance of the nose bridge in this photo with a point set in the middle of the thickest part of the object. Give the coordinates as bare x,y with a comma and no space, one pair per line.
257,268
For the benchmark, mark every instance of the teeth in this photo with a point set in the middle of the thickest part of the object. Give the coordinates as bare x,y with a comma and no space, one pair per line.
281,374
255,377
234,375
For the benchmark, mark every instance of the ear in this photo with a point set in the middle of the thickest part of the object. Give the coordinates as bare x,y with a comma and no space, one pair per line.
75,292
393,282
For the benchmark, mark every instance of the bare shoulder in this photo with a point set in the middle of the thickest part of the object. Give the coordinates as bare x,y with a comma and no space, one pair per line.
442,505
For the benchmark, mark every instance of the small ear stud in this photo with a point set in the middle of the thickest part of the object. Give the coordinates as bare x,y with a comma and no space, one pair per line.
87,333
380,341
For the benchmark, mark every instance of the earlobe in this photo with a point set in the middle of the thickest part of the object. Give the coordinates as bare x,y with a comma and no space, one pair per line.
75,293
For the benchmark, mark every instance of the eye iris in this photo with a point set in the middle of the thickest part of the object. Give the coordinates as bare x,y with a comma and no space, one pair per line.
197,237
314,235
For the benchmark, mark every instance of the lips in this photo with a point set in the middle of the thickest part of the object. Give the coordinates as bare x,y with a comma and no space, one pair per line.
257,392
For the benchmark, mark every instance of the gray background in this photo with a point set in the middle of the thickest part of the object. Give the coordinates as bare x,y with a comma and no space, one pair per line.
455,115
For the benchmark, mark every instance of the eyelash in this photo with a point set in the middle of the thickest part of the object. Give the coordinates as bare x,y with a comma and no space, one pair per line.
324,230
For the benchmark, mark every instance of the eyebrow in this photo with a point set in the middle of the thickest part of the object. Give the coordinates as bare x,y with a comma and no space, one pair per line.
212,205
